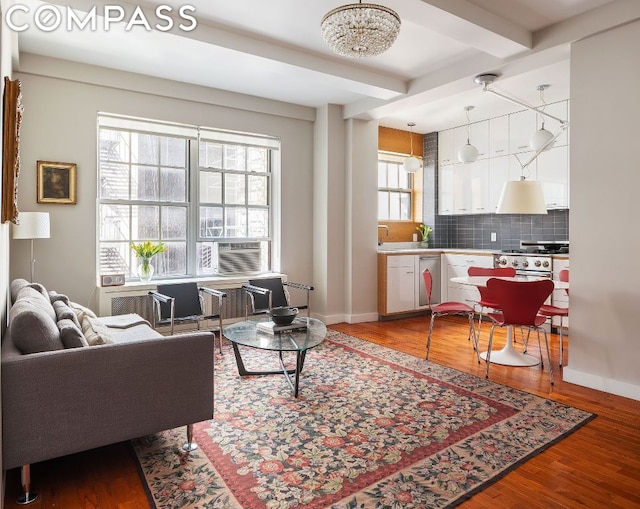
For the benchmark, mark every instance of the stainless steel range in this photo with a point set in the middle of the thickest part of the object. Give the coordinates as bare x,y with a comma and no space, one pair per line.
534,258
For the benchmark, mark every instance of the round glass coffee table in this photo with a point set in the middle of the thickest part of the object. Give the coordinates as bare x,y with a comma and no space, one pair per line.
248,333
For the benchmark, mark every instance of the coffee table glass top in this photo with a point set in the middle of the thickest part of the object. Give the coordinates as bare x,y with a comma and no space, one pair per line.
246,334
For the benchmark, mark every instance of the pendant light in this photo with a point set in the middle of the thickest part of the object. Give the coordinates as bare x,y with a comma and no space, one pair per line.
468,153
541,138
411,164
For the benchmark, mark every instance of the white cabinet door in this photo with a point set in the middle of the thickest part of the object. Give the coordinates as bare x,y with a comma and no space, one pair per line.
560,297
498,175
445,190
401,280
457,265
462,188
447,154
480,187
499,136
480,138
521,126
552,171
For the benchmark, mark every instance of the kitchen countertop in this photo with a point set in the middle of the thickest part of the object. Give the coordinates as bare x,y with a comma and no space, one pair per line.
399,248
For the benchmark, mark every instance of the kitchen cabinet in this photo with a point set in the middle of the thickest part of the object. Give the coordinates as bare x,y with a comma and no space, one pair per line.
400,283
479,136
457,266
479,187
521,126
445,190
498,175
561,111
446,147
499,136
552,171
464,188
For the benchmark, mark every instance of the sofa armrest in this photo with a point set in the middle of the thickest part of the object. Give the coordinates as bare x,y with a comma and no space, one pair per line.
61,402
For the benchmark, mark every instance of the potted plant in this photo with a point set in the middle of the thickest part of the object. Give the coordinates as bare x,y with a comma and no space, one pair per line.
424,233
145,251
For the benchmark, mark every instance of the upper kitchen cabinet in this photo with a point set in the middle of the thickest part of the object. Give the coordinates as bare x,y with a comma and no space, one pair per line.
521,126
499,136
446,147
479,137
452,140
552,171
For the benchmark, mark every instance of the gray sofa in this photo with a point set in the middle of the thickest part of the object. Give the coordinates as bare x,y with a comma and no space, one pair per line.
64,392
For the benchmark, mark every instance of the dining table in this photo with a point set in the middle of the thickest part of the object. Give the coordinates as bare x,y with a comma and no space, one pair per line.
508,355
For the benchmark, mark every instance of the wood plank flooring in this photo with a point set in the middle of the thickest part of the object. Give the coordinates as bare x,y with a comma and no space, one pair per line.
596,467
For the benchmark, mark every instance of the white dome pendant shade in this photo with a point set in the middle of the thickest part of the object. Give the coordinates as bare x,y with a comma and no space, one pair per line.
521,197
411,164
468,153
540,138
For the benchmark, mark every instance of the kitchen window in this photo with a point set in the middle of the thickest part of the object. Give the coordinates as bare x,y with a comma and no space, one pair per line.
200,191
395,189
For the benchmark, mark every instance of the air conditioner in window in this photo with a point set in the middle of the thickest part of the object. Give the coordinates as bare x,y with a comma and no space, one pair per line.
239,258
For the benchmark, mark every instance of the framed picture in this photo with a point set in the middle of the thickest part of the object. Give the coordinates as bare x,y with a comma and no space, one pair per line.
11,119
56,182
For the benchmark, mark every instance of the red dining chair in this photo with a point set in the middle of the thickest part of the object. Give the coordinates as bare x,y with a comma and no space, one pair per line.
519,302
550,311
487,300
448,308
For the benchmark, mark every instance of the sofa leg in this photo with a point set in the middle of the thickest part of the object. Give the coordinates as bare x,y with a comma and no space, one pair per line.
190,445
27,495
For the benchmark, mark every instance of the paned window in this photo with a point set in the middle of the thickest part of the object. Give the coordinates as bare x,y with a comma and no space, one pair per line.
205,194
395,189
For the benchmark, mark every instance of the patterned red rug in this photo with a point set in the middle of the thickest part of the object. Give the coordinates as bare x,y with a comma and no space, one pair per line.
372,427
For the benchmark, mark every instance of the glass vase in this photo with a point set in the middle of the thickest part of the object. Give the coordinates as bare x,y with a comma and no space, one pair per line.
145,269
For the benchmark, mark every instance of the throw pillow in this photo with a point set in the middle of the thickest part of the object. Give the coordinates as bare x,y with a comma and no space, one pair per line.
33,330
81,311
95,333
71,334
55,296
40,288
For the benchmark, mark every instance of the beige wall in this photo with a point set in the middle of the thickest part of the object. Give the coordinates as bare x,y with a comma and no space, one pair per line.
60,125
604,348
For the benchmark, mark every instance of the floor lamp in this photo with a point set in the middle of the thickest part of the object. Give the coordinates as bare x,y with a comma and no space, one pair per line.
32,225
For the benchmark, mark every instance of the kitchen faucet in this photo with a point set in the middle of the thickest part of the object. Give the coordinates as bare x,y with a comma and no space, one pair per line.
387,233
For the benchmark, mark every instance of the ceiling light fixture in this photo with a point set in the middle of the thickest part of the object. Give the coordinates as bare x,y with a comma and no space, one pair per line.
522,196
468,153
411,164
541,137
360,30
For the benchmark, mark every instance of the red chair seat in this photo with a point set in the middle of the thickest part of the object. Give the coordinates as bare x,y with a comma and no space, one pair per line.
549,310
498,319
451,307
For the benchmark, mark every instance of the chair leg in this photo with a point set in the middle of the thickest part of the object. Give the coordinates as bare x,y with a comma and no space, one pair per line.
561,344
190,445
433,317
488,359
546,341
472,331
540,348
27,495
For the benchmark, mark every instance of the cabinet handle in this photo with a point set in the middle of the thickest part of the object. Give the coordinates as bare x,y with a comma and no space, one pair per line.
524,146
498,151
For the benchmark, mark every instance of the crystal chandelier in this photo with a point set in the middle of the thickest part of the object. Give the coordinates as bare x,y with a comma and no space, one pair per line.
360,30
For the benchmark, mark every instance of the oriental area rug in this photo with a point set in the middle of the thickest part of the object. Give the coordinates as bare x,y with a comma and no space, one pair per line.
371,428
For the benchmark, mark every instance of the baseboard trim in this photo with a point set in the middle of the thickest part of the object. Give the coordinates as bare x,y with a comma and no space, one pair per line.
601,383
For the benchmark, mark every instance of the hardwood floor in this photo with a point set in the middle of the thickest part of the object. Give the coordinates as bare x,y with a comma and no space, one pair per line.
596,467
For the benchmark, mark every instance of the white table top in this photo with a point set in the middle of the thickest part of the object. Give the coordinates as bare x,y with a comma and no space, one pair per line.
482,280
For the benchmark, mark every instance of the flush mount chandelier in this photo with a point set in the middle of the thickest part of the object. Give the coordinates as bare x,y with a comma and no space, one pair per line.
360,30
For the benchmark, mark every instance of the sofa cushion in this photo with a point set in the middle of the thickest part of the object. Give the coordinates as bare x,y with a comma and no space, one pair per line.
40,288
16,286
71,334
95,332
65,312
32,329
37,299
55,296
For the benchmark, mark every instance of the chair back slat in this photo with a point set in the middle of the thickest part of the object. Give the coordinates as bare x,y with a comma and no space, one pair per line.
278,296
428,284
187,300
520,301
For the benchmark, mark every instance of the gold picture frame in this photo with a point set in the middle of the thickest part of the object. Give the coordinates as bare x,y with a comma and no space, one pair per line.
11,120
56,182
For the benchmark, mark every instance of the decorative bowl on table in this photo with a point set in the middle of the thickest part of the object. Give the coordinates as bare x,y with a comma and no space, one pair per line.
283,315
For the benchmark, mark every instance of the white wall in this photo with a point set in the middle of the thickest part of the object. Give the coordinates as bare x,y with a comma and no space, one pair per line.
60,125
604,348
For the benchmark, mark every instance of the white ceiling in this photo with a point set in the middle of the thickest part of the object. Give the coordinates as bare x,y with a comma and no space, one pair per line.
273,49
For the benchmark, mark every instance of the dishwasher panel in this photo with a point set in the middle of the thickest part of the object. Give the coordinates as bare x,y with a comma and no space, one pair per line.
431,262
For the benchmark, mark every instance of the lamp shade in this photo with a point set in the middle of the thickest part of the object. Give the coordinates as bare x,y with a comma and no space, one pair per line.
411,164
468,153
521,197
32,225
540,138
